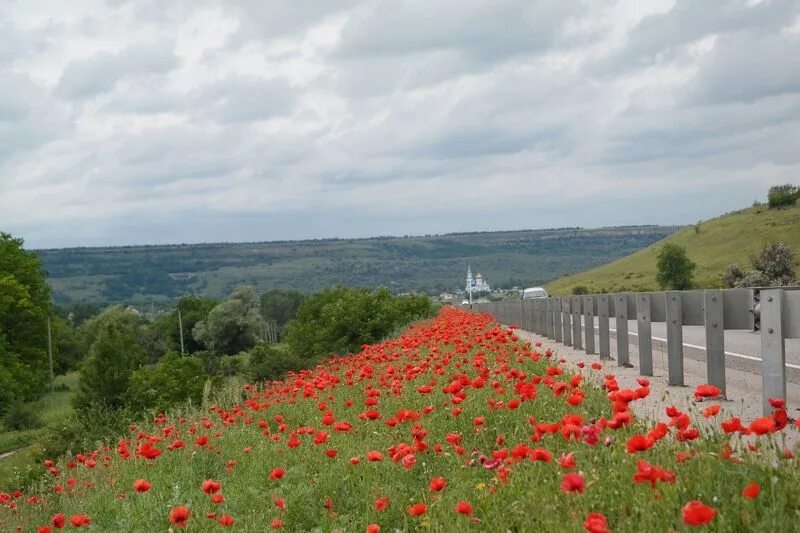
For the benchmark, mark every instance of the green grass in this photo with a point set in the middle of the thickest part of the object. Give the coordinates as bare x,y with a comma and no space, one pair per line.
240,456
52,408
730,238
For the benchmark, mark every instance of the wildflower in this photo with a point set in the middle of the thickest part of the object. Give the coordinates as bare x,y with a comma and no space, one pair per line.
464,508
437,484
696,513
573,483
751,491
595,523
180,515
418,509
277,473
141,485
381,503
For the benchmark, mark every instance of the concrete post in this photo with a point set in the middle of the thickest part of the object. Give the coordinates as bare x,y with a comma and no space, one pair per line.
548,318
715,338
576,323
602,324
621,310
566,308
645,334
773,348
588,323
674,339
557,319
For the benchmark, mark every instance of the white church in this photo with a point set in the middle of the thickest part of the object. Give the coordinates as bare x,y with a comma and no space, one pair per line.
476,284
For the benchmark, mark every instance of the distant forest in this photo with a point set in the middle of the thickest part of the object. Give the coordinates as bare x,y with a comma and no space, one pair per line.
431,264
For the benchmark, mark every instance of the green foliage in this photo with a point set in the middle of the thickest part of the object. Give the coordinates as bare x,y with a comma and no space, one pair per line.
113,357
24,307
268,362
675,269
580,289
233,326
280,305
21,416
773,266
193,309
783,195
173,380
340,320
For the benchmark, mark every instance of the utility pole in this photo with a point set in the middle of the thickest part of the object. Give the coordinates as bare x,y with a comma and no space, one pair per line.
180,328
50,355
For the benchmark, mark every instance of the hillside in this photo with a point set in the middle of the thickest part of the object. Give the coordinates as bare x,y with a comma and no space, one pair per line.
454,426
433,264
730,238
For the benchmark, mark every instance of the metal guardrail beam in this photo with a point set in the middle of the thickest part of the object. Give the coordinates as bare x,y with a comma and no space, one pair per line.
776,310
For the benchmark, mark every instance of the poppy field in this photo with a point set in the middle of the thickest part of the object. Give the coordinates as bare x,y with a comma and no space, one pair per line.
456,425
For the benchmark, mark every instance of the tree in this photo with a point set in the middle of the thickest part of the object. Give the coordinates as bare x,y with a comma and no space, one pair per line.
193,309
776,262
773,266
114,355
340,320
675,269
783,195
173,380
233,326
24,308
280,305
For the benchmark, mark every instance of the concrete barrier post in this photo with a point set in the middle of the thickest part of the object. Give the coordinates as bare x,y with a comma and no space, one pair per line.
674,339
645,333
715,338
588,323
602,326
773,348
557,319
621,314
566,308
577,333
548,318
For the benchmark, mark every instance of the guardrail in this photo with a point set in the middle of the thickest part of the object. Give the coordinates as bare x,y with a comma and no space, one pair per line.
773,311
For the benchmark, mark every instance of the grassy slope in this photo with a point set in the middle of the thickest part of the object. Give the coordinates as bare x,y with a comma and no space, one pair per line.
241,457
51,408
730,238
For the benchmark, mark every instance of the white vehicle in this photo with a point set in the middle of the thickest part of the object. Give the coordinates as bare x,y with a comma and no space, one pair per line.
533,293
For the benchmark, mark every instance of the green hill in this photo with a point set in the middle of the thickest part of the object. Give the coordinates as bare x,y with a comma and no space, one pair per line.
730,238
140,275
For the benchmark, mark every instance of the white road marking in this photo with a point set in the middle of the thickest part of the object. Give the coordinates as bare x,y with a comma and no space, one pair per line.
732,354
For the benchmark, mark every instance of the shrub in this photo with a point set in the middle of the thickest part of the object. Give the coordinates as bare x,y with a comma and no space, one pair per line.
173,380
732,276
776,262
340,320
580,289
675,269
270,363
783,195
20,416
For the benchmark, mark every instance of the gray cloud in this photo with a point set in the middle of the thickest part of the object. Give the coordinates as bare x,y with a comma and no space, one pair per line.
85,78
219,119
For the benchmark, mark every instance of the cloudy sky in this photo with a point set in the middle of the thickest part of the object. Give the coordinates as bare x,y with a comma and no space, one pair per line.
146,121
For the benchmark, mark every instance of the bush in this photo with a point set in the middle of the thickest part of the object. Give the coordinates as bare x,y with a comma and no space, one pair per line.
732,276
776,262
675,269
580,289
783,195
173,380
340,320
270,363
20,416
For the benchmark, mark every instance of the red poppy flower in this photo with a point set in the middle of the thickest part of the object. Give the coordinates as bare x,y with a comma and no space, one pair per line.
595,523
696,513
711,410
573,483
777,403
464,508
217,498
639,443
418,509
751,491
373,528
180,515
761,426
210,486
276,524
732,425
707,391
277,473
374,456
58,521
437,484
381,503
141,485
79,520
226,520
